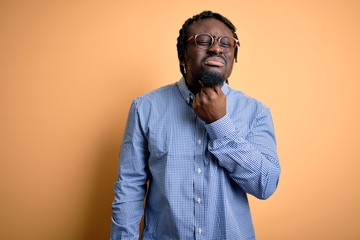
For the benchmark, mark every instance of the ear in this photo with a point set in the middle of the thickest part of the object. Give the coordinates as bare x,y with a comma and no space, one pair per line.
184,66
183,62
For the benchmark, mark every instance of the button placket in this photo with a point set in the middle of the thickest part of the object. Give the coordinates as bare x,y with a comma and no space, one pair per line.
199,178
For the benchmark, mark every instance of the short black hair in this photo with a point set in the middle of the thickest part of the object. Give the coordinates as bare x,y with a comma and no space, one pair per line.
183,34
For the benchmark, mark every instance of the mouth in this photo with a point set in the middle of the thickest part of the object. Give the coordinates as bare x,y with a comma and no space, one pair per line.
214,62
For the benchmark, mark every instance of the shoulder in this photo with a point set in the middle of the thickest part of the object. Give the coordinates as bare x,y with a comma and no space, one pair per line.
157,95
244,101
246,111
157,101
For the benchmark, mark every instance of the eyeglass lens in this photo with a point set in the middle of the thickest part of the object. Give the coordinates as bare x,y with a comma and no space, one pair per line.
205,41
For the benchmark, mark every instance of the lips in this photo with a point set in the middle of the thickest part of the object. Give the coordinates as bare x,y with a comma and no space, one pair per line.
215,62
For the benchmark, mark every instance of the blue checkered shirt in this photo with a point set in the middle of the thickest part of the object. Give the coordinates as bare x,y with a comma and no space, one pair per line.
196,175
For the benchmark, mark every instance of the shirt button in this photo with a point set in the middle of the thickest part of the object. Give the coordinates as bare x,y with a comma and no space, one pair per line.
199,141
199,170
199,200
200,231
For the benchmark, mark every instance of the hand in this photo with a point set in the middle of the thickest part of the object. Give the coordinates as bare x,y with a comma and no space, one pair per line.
210,104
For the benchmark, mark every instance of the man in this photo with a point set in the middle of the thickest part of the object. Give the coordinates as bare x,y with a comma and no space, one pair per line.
196,147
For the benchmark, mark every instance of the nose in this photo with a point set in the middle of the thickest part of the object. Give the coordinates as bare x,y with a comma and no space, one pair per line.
215,48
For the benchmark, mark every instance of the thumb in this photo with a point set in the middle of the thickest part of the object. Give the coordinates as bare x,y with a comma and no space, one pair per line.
201,83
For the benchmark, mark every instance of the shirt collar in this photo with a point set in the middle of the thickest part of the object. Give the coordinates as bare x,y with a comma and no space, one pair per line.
189,96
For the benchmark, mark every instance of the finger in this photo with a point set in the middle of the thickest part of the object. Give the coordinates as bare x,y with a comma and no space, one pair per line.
201,83
203,91
201,98
193,105
196,100
208,90
218,90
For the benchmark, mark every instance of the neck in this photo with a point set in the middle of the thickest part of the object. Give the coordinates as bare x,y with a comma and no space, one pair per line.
194,88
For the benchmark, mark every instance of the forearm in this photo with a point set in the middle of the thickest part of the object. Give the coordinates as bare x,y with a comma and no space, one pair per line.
250,160
127,210
130,188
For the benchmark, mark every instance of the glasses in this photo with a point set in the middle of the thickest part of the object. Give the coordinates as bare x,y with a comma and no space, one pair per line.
206,41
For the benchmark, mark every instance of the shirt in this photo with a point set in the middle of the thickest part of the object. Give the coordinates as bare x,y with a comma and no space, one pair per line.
198,174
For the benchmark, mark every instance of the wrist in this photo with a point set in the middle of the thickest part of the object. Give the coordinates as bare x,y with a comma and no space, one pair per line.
221,127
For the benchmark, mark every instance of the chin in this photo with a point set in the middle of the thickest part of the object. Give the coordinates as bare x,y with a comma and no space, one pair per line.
211,78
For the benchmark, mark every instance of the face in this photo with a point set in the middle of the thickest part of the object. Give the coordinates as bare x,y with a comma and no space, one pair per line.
214,59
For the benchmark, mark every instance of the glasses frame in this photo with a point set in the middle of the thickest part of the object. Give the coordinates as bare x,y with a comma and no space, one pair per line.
213,39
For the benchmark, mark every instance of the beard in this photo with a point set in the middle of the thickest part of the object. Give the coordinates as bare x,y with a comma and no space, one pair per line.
210,79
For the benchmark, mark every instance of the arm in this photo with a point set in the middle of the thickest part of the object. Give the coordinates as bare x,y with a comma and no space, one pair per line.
251,160
130,188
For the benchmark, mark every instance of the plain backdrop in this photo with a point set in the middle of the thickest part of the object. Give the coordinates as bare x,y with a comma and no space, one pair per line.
70,69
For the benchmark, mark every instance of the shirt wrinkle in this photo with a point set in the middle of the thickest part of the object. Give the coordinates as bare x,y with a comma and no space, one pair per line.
199,175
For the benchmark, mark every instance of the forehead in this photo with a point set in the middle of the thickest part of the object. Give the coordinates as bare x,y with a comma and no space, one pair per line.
211,26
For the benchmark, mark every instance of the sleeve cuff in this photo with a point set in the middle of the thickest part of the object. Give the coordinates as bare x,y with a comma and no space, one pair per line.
220,128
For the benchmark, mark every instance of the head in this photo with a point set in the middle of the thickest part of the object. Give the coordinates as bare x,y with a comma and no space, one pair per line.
196,60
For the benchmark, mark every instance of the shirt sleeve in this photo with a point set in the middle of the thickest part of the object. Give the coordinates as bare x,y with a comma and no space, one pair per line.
251,160
130,188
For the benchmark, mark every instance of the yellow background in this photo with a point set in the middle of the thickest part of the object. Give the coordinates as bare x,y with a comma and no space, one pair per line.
70,69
